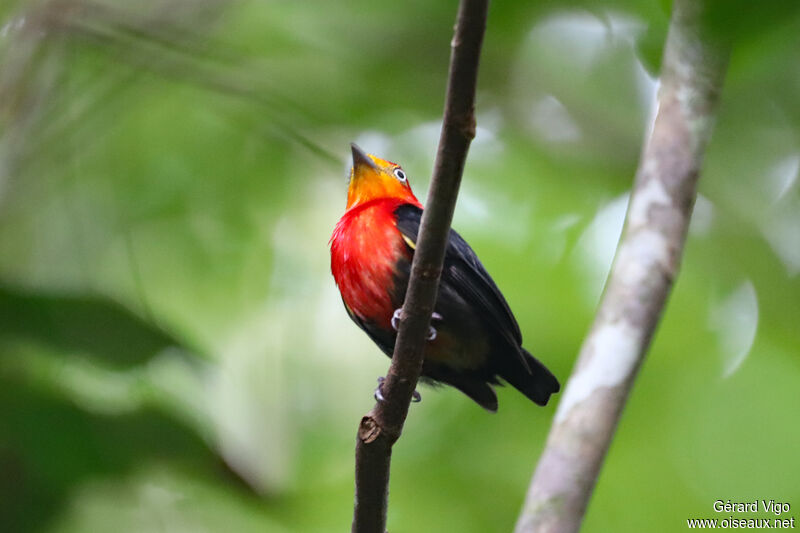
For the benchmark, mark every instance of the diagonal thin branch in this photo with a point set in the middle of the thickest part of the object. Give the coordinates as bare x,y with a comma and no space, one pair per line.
644,270
381,427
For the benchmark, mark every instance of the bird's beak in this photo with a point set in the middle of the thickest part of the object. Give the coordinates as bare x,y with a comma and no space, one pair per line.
361,161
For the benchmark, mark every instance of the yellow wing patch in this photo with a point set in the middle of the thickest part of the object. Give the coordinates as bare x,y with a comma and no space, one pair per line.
411,244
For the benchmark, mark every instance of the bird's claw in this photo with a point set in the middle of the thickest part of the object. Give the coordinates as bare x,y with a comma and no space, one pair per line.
415,396
396,318
378,392
431,330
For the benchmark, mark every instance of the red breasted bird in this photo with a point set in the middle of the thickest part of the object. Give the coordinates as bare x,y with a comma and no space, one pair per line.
474,338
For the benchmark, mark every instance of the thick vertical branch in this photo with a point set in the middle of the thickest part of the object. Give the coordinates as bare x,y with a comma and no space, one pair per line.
644,270
381,427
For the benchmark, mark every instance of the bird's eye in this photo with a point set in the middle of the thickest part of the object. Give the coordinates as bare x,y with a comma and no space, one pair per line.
399,174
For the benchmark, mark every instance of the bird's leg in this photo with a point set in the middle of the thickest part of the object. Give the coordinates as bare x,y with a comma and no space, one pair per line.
431,330
415,396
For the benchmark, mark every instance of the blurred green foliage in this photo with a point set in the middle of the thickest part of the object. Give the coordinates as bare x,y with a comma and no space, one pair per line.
173,351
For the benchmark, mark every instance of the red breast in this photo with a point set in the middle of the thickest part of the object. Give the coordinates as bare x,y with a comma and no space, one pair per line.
365,248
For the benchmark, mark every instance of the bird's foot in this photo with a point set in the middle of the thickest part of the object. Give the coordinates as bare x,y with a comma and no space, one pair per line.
415,396
431,330
378,391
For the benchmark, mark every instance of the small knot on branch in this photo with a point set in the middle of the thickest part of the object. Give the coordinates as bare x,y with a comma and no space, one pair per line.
465,124
469,126
368,430
429,274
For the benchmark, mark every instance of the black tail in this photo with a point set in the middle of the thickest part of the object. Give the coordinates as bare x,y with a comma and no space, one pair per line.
538,384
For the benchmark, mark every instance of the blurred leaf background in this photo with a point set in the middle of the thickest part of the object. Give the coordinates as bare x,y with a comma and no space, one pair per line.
173,351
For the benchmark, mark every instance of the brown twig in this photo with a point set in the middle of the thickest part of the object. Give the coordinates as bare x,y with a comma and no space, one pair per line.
381,427
644,270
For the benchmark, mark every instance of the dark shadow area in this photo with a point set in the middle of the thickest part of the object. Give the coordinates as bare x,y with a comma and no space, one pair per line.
92,325
49,447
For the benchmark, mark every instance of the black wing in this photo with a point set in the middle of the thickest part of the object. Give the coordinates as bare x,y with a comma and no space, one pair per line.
465,273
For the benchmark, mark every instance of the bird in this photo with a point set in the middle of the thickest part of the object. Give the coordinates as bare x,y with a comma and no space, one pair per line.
474,340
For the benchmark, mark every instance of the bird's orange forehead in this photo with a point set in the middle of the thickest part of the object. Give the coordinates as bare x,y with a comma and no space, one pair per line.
383,163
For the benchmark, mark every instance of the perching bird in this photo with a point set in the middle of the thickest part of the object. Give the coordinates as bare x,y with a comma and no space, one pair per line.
474,338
